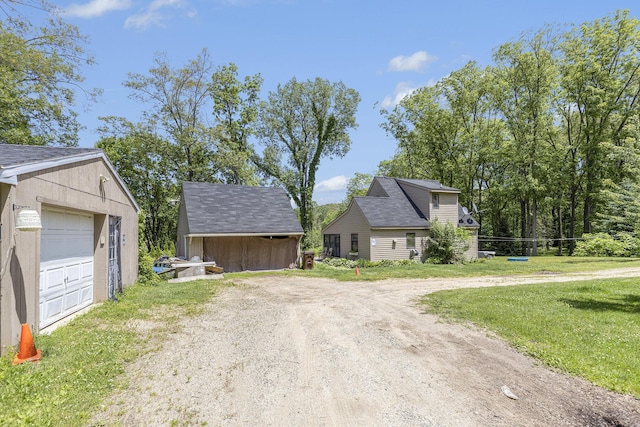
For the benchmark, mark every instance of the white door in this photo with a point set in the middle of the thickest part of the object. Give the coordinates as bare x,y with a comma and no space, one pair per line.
66,264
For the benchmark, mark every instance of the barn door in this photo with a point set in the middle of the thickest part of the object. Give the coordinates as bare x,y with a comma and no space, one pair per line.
115,278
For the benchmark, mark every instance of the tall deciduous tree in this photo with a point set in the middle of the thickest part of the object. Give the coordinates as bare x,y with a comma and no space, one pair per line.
525,82
300,124
600,78
178,100
39,76
140,157
235,109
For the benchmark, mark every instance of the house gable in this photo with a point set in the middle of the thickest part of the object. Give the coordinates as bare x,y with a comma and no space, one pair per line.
394,210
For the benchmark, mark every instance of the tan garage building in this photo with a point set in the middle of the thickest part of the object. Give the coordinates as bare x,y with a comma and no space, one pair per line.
68,235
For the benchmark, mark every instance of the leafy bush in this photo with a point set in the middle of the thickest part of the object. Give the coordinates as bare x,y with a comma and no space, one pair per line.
603,244
146,275
446,243
365,263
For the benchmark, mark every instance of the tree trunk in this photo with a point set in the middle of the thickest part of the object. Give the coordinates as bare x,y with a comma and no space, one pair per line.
534,228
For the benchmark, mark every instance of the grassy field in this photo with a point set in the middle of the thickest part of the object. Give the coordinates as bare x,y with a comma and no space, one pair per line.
494,267
589,329
84,361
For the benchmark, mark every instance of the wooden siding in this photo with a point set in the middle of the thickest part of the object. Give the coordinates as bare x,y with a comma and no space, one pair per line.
77,187
447,210
385,248
352,221
183,229
195,247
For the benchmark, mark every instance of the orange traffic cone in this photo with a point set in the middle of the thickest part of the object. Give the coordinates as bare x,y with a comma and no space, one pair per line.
28,351
357,271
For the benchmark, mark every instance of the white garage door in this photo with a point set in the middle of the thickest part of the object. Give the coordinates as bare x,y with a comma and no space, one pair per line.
66,264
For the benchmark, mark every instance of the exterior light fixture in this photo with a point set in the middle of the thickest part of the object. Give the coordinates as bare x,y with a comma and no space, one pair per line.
27,219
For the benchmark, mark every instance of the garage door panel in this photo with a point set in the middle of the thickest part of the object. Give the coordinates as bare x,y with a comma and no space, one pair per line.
54,220
86,270
54,279
86,294
66,267
53,307
71,299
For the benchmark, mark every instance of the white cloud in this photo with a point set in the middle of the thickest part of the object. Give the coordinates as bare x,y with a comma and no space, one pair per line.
95,8
337,183
153,15
416,62
403,89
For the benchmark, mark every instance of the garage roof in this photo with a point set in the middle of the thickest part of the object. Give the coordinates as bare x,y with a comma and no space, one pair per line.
214,209
17,160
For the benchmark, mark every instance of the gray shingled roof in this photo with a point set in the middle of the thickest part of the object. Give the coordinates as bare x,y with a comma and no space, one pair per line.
237,209
430,184
393,211
397,210
14,155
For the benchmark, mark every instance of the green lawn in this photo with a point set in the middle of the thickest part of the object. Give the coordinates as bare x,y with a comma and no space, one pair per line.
498,266
589,329
84,361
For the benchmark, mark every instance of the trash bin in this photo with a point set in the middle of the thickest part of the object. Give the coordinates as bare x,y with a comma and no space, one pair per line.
307,260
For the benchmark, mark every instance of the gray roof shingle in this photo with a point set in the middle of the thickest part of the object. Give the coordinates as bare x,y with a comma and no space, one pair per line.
14,155
430,184
398,210
237,209
393,211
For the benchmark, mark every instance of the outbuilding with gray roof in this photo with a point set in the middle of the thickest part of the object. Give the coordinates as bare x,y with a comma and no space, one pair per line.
239,227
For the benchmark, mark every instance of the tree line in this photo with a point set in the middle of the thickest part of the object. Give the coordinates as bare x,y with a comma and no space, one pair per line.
543,143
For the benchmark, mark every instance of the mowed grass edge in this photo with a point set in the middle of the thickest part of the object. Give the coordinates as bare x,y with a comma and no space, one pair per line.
84,361
589,329
499,266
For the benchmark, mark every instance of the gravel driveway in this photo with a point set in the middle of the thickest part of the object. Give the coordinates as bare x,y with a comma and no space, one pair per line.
276,351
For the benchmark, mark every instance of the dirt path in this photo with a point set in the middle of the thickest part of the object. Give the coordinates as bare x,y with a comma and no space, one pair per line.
306,352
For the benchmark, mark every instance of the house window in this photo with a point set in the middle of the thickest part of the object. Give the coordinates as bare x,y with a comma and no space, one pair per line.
354,242
435,200
332,245
411,240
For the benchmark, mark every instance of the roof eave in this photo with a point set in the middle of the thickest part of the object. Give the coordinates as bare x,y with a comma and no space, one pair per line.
9,175
294,233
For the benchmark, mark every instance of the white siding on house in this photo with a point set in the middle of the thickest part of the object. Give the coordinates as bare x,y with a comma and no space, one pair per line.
447,211
352,221
385,248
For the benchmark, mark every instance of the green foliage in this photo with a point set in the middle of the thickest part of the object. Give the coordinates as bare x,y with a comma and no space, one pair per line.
235,109
364,263
603,244
141,158
39,74
299,125
589,329
446,243
544,141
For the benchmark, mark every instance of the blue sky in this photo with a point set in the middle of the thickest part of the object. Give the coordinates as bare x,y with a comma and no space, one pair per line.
382,49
